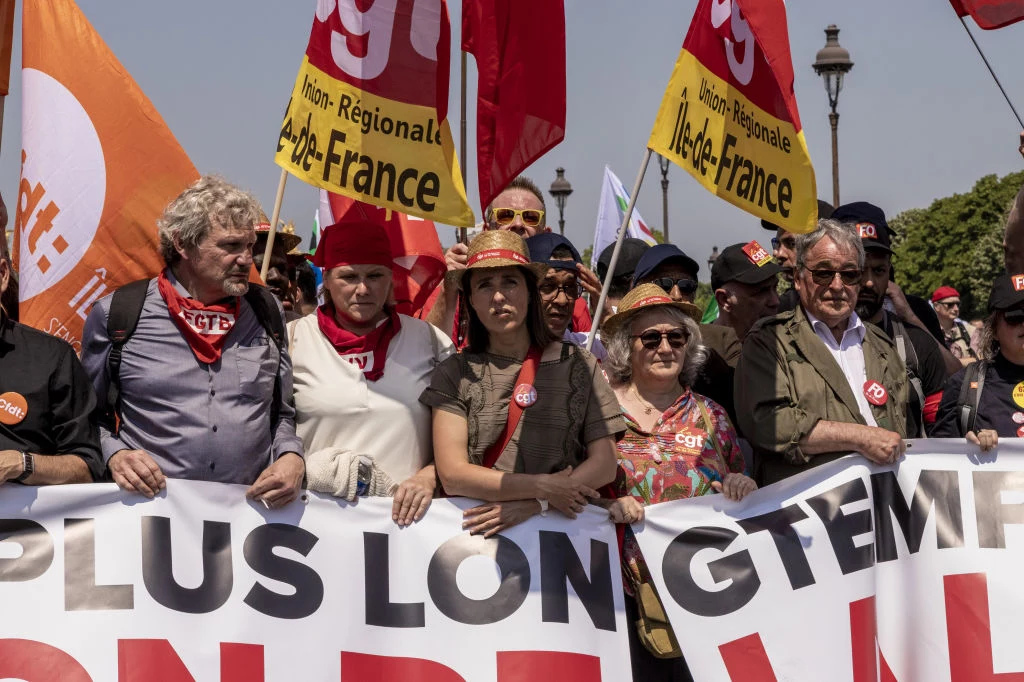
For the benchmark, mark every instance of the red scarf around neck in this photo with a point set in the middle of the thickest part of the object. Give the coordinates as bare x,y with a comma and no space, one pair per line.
205,327
367,352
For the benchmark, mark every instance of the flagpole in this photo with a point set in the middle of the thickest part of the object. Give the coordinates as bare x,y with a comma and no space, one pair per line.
273,225
618,246
462,236
989,66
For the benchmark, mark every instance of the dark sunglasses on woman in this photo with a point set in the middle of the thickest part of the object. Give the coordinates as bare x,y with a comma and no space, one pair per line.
651,338
686,286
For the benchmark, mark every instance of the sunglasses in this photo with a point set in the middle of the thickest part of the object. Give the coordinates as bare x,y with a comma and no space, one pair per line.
550,290
824,277
686,286
651,339
1014,317
949,304
532,217
788,242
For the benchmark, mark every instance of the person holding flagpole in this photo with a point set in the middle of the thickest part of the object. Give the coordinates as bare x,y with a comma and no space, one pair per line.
522,420
359,367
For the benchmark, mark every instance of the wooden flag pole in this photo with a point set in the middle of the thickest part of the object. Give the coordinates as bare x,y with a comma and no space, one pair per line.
618,246
273,225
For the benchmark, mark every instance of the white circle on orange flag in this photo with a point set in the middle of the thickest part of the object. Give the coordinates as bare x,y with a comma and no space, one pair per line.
63,183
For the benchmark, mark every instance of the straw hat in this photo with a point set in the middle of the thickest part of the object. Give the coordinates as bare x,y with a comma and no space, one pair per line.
285,235
496,249
641,297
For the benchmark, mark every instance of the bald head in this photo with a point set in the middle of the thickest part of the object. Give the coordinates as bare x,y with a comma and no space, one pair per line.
1013,239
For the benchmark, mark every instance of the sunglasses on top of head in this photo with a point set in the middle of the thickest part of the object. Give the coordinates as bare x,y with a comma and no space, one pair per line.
686,285
824,276
651,339
531,217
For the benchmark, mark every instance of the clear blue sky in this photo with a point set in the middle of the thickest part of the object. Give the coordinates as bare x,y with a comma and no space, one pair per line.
920,117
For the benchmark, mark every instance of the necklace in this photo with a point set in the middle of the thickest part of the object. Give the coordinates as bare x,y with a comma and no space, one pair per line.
648,407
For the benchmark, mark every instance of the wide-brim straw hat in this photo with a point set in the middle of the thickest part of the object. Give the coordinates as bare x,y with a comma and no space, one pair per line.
496,249
643,297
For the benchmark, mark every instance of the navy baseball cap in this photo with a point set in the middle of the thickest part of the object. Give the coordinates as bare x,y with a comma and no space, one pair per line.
1007,292
662,253
872,227
542,245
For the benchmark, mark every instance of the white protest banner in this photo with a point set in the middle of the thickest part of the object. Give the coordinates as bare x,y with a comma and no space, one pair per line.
200,584
851,571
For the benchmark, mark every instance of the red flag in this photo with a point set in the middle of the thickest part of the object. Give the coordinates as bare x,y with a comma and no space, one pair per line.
418,257
990,14
519,47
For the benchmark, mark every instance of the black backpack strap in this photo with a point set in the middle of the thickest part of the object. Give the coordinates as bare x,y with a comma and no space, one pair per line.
970,396
264,306
908,354
125,311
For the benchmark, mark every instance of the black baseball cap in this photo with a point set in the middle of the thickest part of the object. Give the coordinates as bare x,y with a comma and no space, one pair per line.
629,255
1007,292
824,211
744,263
662,253
542,245
870,221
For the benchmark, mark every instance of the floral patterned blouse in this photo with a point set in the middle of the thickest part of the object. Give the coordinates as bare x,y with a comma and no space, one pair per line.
675,460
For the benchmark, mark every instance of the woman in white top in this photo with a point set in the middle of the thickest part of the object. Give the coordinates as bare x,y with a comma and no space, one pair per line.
359,368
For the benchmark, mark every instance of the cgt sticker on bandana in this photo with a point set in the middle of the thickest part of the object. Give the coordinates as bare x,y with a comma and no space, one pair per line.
757,254
364,361
208,322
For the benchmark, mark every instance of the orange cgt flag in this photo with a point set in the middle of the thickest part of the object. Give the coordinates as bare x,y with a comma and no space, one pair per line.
98,167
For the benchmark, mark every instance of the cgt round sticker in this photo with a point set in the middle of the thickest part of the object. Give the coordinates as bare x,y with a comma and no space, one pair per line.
525,395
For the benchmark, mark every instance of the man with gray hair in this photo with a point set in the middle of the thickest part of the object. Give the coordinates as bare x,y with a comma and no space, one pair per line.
192,364
816,383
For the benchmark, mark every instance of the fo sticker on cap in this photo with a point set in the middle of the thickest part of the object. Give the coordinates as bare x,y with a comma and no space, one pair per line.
1018,282
525,395
757,254
875,393
13,408
867,231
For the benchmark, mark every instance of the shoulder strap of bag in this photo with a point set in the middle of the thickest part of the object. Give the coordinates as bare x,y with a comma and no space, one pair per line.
264,306
970,396
527,374
122,318
709,426
908,354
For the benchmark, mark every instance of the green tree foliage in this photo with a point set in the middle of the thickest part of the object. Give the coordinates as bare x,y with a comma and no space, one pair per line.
957,241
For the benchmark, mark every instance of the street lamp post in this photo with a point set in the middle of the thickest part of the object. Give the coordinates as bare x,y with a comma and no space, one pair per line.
560,189
664,164
831,63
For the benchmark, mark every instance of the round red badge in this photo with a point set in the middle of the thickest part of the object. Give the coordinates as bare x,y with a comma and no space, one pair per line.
875,393
13,408
525,395
1020,432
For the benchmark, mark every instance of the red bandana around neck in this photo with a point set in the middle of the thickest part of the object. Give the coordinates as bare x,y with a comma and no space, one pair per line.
367,352
205,327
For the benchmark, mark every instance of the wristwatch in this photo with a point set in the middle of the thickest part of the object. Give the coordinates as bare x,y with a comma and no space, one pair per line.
543,506
28,464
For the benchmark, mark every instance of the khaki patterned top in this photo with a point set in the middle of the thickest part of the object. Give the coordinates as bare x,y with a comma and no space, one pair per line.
575,406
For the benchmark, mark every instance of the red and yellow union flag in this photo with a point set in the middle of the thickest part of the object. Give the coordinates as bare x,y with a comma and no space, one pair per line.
366,118
98,167
729,115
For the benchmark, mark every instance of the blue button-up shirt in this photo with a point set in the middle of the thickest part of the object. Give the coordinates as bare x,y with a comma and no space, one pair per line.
198,421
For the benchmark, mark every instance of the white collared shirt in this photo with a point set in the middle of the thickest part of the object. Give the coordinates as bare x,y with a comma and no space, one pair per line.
849,355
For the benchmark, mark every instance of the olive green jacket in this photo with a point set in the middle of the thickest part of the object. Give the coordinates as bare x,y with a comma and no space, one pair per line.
786,381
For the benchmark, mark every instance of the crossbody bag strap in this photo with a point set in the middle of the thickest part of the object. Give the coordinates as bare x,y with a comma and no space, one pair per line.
527,374
710,427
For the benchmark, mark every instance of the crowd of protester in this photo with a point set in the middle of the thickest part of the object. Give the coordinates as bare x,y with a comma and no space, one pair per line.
490,393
